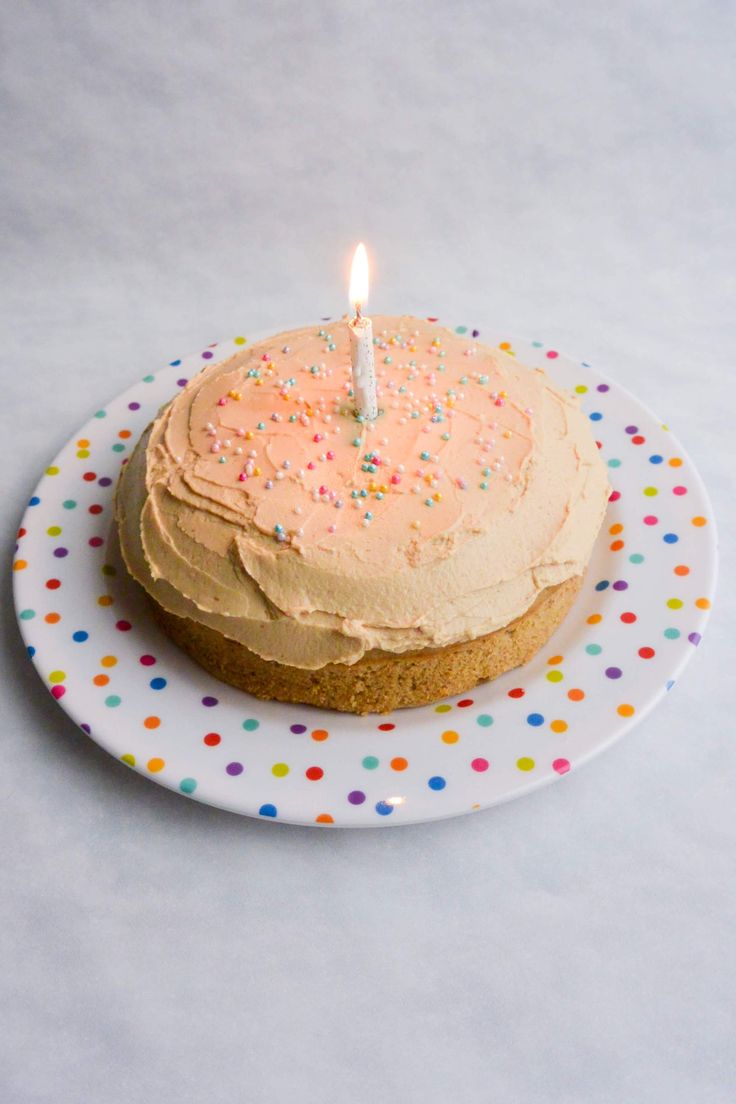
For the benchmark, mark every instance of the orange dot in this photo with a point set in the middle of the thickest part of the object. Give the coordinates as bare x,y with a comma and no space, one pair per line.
399,763
617,528
324,818
124,433
52,618
82,443
450,737
320,734
105,600
675,462
682,569
505,345
555,660
101,680
20,565
152,722
575,694
698,521
558,726
616,546
626,710
702,603
108,661
155,764
594,618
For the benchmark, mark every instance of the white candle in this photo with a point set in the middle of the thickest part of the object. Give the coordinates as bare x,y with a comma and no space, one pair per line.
361,340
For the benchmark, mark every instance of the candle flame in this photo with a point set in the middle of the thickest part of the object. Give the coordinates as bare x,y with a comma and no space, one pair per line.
359,279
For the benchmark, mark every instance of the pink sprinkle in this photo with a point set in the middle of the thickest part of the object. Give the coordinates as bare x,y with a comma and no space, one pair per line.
222,402
310,465
215,447
395,478
323,489
331,528
499,402
242,477
265,357
330,455
317,438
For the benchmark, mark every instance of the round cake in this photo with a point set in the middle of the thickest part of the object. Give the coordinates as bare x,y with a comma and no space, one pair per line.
304,554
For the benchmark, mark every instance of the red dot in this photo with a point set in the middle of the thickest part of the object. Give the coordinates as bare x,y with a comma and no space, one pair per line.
465,703
53,584
95,542
599,444
212,739
646,653
386,727
650,519
123,626
96,509
516,693
22,532
638,440
614,496
628,618
314,773
58,691
147,660
90,476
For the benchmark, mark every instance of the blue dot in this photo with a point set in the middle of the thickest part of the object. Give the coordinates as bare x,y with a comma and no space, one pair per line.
34,501
437,782
268,810
485,720
656,459
383,808
593,649
596,416
669,684
670,538
80,636
535,719
31,651
174,363
250,725
602,585
188,785
157,683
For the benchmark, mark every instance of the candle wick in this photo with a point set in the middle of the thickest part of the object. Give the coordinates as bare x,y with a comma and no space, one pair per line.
357,312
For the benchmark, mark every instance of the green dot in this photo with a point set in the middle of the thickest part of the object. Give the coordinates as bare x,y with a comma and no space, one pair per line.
370,762
101,414
593,649
250,725
614,463
461,329
129,759
672,634
555,676
280,770
148,379
525,763
188,785
118,447
636,558
27,614
113,701
485,720
69,504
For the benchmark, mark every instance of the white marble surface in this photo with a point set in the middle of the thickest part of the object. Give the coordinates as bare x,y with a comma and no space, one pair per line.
175,173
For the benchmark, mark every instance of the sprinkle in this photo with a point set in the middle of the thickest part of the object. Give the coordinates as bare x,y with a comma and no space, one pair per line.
286,349
261,425
428,502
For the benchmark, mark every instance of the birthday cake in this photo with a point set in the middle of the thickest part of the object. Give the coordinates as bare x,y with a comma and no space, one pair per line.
304,554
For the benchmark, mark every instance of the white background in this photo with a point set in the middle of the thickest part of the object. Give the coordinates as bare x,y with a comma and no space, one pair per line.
178,173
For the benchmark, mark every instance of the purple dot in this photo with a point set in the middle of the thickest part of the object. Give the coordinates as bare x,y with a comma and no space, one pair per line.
134,406
234,768
613,672
632,429
209,702
182,382
298,729
207,355
356,797
603,387
694,638
60,553
105,481
620,584
86,728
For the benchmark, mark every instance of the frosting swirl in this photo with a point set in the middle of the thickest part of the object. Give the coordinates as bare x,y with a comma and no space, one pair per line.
259,505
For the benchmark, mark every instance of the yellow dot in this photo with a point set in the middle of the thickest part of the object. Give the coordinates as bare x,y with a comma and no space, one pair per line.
595,618
580,389
555,676
626,710
699,521
57,676
20,565
651,491
156,764
442,708
53,470
54,530
108,661
702,603
450,737
239,340
129,759
82,454
558,726
674,603
280,770
525,763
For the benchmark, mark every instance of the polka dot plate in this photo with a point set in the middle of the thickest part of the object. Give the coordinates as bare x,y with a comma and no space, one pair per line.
636,622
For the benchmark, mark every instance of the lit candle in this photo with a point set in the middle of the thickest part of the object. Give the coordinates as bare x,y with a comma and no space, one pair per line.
361,339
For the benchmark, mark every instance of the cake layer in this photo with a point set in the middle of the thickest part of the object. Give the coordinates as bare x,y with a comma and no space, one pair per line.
258,505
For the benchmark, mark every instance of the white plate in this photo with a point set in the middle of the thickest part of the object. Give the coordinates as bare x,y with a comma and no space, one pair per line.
641,613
